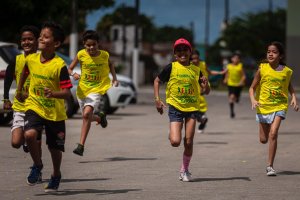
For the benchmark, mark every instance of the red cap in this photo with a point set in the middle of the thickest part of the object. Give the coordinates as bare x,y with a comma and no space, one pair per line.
182,41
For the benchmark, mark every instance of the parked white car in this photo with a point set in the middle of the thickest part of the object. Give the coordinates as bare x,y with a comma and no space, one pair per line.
115,97
8,52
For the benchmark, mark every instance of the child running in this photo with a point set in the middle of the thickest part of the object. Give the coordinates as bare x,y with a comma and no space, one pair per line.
182,95
271,86
94,81
49,85
29,43
235,79
202,119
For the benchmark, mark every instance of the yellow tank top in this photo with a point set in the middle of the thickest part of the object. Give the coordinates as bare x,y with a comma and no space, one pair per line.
183,89
94,74
272,91
20,63
45,75
235,74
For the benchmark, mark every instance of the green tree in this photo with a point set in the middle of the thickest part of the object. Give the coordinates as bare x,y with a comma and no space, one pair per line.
250,34
15,13
126,15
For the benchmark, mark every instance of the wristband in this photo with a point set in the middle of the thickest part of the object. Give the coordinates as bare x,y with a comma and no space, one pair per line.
156,98
6,100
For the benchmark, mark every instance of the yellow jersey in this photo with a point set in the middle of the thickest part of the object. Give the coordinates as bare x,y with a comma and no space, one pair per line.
45,75
20,63
183,89
203,102
235,74
272,91
94,74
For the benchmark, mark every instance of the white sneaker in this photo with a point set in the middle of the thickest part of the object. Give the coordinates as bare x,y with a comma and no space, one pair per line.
270,171
185,176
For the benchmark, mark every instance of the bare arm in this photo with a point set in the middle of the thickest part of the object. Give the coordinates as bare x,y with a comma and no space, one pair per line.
158,102
294,102
62,94
243,80
71,68
19,95
252,89
113,73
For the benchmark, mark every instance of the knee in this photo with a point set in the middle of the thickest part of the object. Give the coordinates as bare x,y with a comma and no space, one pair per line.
175,143
263,140
30,136
86,115
15,145
273,135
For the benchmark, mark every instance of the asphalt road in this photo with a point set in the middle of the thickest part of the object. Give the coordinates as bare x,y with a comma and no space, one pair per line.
132,158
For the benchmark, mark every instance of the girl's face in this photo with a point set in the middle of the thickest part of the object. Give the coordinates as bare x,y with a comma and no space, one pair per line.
28,42
92,47
195,59
182,54
46,40
235,59
273,55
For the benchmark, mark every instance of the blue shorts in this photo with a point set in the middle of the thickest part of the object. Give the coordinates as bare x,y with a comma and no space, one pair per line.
269,118
176,115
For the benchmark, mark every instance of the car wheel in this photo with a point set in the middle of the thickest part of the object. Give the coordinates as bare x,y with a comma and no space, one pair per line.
69,106
5,118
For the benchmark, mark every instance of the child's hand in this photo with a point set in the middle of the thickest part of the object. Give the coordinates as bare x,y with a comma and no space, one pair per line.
48,93
115,83
7,104
294,104
160,106
255,104
76,76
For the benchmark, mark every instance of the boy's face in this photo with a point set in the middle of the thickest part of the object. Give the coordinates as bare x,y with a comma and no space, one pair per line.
235,59
195,59
182,54
28,42
92,47
46,40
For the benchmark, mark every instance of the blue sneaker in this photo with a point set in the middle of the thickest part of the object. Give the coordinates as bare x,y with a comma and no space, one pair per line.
53,184
35,175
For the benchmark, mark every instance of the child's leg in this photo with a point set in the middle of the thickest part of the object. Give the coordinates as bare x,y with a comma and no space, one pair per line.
188,143
264,130
273,135
17,137
175,133
56,156
86,123
31,140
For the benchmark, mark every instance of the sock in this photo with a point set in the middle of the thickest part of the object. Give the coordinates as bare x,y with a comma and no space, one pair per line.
231,105
185,163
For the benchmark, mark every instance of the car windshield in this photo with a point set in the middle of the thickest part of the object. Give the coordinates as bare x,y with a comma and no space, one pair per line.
8,53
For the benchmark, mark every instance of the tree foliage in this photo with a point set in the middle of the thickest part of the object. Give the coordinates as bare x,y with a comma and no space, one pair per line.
127,16
15,13
250,34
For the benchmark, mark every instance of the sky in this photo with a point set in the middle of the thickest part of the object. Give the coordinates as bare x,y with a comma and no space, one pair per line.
181,13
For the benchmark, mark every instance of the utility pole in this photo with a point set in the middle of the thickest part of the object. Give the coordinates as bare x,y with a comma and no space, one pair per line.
135,55
74,32
207,13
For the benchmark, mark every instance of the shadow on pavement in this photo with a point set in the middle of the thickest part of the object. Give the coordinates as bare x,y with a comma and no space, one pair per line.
288,173
67,192
118,159
221,179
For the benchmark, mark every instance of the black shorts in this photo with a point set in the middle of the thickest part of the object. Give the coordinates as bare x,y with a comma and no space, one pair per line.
236,90
55,130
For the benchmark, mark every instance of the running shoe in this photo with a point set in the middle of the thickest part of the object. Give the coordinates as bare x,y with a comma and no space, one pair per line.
25,148
103,120
35,175
79,150
270,171
185,176
202,125
53,184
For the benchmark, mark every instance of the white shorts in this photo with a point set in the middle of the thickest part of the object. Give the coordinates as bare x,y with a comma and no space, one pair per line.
269,118
92,100
18,120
